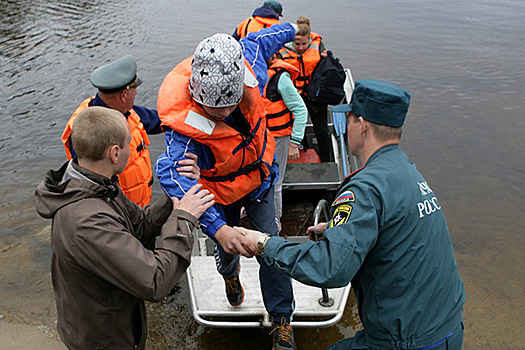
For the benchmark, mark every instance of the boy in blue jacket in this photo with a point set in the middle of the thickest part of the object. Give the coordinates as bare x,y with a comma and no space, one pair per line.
211,105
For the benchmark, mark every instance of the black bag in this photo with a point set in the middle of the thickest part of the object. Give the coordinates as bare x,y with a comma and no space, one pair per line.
328,78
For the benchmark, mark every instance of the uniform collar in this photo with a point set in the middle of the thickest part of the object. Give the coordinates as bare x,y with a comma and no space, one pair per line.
97,101
382,150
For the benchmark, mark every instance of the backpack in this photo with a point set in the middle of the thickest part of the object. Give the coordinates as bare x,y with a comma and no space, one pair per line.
328,78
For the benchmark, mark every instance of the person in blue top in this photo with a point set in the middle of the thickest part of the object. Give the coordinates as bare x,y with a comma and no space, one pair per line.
211,105
262,17
387,236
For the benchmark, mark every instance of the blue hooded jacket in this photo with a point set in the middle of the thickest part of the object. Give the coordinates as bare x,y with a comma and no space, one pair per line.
257,48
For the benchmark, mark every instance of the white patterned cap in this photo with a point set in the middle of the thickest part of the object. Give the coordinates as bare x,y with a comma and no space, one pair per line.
217,72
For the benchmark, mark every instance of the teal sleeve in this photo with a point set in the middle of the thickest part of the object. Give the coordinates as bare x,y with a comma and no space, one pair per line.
322,47
334,261
295,104
330,263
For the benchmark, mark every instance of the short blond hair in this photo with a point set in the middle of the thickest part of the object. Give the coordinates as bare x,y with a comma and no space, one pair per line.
386,133
382,133
95,130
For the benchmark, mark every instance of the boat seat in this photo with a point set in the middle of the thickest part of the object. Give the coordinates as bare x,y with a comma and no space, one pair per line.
306,156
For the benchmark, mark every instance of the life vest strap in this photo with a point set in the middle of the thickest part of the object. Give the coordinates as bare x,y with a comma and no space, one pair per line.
141,146
246,142
281,127
257,165
247,25
231,176
277,115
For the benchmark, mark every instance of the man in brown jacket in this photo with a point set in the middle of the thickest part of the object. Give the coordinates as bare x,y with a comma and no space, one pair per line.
101,271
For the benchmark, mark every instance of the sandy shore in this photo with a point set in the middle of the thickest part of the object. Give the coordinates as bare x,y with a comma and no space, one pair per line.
14,336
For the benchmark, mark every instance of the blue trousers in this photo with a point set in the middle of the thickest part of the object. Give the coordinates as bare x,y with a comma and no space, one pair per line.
276,287
453,342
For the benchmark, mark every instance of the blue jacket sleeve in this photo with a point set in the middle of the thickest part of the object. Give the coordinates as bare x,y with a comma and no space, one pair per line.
149,118
175,185
259,46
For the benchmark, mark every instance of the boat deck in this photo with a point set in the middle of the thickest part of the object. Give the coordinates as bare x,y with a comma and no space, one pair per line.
211,308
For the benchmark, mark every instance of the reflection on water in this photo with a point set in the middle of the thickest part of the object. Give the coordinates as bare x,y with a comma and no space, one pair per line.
462,62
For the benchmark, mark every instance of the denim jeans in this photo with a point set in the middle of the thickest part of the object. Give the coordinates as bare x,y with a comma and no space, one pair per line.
281,152
276,286
452,342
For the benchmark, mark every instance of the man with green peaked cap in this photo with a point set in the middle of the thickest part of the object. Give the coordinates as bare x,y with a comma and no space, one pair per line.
116,76
387,236
117,84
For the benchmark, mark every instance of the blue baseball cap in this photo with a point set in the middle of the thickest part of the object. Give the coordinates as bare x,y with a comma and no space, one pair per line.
116,76
378,102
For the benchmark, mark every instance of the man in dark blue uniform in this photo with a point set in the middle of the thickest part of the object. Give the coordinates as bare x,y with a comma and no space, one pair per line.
387,235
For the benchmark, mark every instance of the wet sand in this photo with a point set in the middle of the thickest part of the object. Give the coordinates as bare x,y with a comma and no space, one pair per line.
14,336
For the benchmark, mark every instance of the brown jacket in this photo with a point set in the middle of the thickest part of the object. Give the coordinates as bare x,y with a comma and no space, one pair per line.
101,271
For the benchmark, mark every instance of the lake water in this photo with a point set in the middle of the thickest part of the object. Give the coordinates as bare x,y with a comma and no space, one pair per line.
461,60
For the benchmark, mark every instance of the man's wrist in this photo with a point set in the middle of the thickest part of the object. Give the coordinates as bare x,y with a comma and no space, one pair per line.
261,242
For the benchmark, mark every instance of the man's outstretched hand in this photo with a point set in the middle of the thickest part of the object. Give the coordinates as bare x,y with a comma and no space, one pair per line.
234,241
194,202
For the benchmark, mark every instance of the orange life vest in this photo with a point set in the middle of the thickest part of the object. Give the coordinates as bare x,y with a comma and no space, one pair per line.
241,163
254,24
279,117
305,62
136,179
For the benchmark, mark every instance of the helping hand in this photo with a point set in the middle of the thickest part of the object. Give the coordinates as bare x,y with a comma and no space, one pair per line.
251,235
194,202
189,167
234,241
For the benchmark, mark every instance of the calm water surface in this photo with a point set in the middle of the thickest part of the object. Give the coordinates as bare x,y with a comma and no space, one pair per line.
462,62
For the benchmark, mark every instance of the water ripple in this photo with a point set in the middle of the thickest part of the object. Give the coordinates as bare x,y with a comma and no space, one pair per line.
33,29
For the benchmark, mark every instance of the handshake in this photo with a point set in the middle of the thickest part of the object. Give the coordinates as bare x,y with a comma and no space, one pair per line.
240,240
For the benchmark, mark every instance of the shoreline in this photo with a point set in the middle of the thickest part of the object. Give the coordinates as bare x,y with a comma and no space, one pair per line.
14,336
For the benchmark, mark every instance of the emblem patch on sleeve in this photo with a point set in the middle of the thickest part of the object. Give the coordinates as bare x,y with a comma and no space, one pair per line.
346,196
341,215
